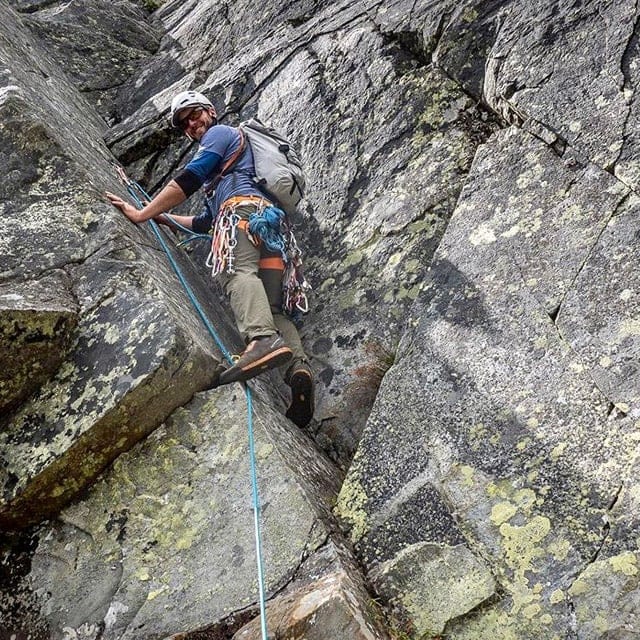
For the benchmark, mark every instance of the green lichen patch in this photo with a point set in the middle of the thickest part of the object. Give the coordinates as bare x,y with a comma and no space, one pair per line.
427,585
351,507
121,379
522,546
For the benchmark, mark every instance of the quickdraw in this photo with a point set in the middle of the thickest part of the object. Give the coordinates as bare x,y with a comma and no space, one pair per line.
295,288
294,284
225,233
223,242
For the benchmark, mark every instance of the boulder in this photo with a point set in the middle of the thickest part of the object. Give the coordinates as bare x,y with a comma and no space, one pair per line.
164,543
429,584
490,432
332,607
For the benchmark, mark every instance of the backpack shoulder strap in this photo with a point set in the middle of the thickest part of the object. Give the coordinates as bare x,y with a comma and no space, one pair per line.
228,165
236,155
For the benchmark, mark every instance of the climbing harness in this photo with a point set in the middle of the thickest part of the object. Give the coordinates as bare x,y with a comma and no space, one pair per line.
267,225
139,197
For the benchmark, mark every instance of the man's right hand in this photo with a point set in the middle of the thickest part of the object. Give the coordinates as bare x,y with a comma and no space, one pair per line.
127,208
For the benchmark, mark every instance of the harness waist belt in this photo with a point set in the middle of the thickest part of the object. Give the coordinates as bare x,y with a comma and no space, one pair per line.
272,262
239,201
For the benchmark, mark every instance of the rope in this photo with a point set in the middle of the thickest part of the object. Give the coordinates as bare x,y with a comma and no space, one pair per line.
135,190
266,224
256,515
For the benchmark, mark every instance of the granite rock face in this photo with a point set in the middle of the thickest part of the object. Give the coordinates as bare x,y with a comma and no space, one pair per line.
386,146
38,322
490,422
508,425
471,236
97,350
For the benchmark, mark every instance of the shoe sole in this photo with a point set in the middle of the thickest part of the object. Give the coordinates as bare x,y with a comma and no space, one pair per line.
269,361
301,410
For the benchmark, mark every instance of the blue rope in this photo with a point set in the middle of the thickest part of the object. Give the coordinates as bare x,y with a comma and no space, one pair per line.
194,301
132,187
195,236
190,232
265,225
256,514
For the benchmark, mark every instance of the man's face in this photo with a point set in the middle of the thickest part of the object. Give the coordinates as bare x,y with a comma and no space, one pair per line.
194,121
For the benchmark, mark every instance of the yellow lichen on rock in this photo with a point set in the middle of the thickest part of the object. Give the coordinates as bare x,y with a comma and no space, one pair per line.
626,563
350,506
502,512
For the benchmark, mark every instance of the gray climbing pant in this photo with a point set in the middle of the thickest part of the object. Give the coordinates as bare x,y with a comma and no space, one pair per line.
255,293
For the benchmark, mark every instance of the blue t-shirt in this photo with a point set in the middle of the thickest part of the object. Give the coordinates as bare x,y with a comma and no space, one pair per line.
217,146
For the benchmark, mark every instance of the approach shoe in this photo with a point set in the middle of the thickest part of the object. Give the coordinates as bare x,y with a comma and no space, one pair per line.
300,380
261,355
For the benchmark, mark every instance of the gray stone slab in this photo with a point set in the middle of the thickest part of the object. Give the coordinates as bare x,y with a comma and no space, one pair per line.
427,585
490,424
164,543
567,66
599,316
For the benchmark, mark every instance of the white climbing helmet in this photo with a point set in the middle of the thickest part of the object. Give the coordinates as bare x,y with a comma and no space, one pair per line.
188,99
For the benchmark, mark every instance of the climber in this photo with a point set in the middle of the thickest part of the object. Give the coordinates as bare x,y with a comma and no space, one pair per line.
254,284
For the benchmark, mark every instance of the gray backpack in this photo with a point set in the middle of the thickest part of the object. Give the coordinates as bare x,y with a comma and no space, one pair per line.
277,165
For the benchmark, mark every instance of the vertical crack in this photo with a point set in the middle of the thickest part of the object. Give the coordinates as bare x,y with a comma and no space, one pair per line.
606,527
587,257
625,62
627,85
573,622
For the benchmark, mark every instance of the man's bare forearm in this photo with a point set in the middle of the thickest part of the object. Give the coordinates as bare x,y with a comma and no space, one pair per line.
168,198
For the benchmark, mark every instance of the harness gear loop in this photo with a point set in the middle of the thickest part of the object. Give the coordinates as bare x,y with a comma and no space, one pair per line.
225,233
